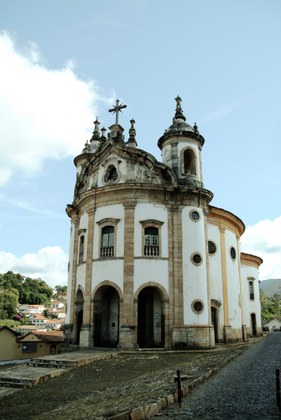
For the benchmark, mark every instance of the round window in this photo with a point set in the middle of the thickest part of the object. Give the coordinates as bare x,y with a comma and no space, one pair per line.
196,259
212,247
195,216
197,306
233,253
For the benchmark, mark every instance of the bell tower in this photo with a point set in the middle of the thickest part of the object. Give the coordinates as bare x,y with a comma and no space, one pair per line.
181,147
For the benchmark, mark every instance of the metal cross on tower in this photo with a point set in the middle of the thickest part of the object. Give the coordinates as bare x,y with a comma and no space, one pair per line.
117,108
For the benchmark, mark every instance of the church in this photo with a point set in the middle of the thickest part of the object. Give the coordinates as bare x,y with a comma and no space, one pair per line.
152,264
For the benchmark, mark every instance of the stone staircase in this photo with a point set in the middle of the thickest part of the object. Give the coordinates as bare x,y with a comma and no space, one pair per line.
41,369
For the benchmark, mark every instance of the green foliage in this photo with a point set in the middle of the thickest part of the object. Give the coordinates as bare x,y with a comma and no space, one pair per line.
15,289
270,306
9,323
8,303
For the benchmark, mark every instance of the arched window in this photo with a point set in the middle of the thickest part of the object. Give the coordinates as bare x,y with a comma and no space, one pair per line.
151,241
107,242
251,290
189,164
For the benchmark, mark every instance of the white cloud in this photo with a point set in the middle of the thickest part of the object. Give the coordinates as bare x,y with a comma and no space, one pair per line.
49,264
45,113
264,240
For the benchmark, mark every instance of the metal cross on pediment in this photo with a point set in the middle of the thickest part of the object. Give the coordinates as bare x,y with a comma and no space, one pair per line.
116,109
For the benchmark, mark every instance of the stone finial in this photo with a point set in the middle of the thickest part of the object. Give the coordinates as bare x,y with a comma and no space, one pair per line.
132,134
103,134
86,147
96,132
195,128
179,111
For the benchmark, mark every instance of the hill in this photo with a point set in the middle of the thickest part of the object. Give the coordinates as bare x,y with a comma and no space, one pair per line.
271,286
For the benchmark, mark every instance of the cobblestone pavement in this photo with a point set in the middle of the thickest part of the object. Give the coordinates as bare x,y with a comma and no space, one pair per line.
243,389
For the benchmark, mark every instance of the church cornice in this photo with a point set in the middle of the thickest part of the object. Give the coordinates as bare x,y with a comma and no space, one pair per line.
226,219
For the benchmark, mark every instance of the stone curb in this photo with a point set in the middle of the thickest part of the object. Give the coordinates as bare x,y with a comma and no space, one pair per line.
150,410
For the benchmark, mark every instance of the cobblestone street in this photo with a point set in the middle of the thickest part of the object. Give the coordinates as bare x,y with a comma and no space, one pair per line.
243,389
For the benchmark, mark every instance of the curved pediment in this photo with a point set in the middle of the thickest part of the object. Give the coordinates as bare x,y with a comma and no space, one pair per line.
114,164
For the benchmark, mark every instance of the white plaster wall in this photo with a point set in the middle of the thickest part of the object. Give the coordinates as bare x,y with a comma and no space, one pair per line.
151,270
116,212
83,224
107,270
81,275
215,264
194,277
144,211
233,281
250,306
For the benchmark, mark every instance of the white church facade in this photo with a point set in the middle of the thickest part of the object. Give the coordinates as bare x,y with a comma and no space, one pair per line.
152,263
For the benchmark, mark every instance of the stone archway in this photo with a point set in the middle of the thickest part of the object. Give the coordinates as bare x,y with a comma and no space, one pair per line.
106,317
151,322
79,304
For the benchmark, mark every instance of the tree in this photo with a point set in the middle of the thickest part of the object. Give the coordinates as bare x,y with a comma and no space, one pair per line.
15,288
270,306
8,303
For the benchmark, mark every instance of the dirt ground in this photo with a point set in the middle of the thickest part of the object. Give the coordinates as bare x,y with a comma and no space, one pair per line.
106,387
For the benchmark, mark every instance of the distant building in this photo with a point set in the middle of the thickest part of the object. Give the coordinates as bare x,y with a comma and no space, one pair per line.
8,347
31,309
38,320
152,263
33,344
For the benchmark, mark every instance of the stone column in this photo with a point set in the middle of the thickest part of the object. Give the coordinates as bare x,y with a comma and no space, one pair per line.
85,336
127,331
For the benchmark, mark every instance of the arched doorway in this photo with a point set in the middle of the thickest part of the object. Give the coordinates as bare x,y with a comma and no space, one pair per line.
79,303
254,324
215,322
106,317
150,319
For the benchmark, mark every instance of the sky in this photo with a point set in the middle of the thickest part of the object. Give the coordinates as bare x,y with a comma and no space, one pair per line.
64,63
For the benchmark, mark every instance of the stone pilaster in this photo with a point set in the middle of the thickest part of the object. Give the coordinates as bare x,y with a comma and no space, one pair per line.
175,264
87,315
226,328
127,331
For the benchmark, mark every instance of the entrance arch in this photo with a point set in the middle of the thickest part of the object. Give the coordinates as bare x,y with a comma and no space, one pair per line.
79,304
106,317
151,320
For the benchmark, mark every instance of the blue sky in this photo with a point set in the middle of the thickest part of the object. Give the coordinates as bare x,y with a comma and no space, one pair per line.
65,62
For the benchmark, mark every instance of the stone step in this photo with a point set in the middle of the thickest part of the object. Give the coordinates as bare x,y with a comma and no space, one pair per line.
57,364
15,383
